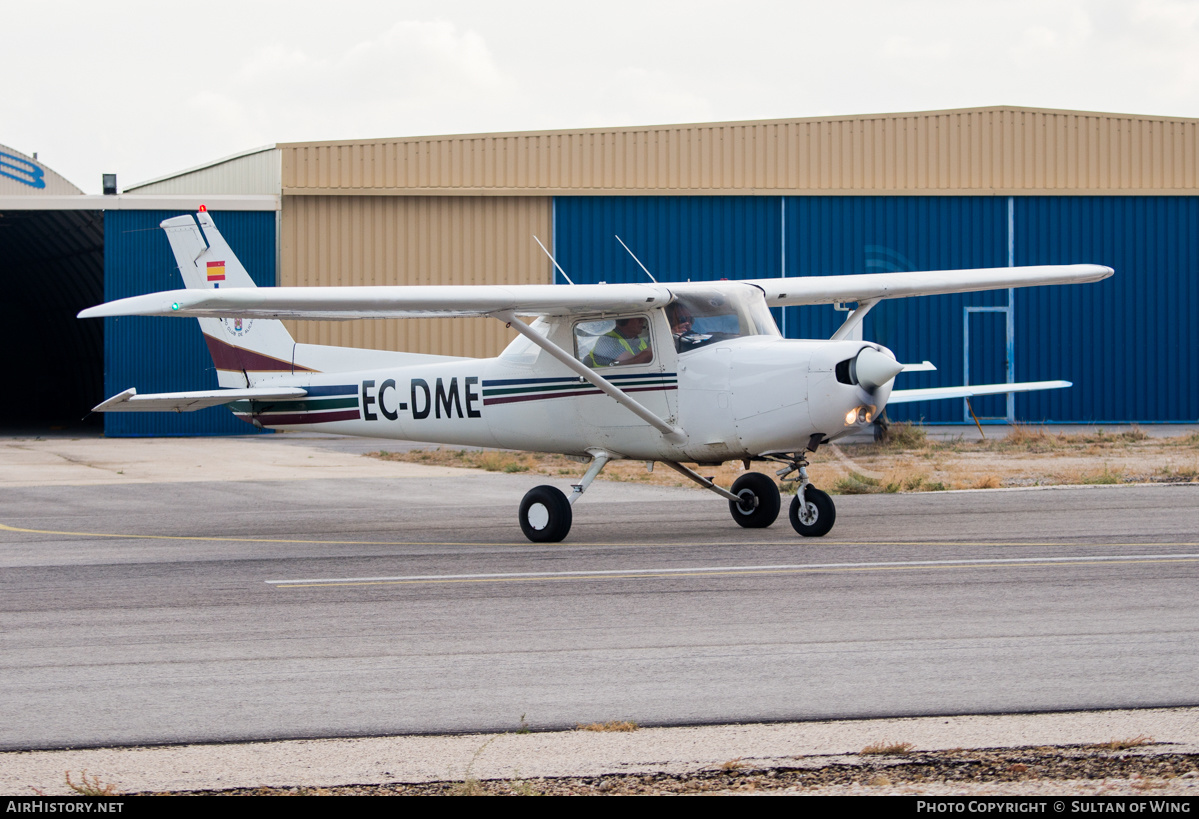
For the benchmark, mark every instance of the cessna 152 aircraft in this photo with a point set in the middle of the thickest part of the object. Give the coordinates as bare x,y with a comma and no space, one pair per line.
672,373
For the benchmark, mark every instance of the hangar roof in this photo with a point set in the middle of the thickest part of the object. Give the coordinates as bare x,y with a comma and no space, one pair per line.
998,150
22,175
255,171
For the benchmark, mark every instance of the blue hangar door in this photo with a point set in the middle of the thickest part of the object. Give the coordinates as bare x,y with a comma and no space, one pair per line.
164,354
1126,343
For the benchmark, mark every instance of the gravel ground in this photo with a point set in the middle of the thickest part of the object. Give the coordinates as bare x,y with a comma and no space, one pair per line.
1079,770
1151,752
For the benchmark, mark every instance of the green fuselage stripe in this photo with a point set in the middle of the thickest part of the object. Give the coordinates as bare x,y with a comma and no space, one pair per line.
574,385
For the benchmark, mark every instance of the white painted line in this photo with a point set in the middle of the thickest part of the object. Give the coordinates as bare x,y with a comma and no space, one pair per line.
718,569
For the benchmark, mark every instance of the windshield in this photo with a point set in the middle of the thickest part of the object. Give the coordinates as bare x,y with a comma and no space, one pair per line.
702,316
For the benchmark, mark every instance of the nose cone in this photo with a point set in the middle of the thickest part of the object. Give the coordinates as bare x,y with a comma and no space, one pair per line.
872,369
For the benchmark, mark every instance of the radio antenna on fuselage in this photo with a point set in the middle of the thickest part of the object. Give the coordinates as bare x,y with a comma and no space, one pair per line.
552,259
638,261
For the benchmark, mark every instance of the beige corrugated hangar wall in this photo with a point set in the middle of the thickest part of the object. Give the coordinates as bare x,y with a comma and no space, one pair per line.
370,240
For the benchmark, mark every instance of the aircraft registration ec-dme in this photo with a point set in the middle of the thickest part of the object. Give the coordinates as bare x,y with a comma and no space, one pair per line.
675,373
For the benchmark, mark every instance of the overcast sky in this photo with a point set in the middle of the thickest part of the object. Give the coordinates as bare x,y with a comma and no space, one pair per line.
148,89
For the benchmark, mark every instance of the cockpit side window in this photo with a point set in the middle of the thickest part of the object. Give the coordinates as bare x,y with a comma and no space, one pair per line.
618,342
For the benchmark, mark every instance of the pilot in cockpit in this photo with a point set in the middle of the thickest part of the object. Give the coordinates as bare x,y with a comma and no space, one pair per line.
681,321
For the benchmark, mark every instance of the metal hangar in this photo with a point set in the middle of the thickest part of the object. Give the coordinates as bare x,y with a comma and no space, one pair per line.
985,187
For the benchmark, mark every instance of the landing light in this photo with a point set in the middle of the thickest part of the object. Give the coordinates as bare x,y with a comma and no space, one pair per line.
859,415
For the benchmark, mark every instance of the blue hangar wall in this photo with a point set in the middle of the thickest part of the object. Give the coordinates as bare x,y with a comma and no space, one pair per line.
158,354
1126,343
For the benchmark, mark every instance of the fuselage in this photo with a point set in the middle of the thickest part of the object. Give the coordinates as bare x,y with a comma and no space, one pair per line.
733,397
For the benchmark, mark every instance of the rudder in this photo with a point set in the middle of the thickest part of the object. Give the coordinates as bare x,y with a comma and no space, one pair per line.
244,351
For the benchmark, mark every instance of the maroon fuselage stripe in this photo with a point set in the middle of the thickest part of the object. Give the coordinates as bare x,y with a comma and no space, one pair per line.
301,417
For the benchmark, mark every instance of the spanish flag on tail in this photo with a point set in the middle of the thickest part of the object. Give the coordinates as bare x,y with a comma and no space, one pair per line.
216,271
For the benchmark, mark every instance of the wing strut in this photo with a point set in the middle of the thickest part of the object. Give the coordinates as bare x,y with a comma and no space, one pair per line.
669,431
853,319
706,483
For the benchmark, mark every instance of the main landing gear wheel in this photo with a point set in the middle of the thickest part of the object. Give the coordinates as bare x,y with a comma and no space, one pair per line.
815,514
545,515
759,504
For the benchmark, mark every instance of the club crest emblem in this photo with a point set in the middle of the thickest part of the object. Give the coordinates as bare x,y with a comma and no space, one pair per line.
237,326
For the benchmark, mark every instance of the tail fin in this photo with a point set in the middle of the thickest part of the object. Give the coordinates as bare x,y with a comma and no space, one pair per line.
244,351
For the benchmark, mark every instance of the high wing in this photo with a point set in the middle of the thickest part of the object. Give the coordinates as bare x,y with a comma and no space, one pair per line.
389,302
938,393
130,401
862,287
564,300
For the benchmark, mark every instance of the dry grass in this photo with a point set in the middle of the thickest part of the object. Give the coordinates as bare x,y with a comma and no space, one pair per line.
732,765
468,787
562,466
887,748
1027,456
1179,474
1104,477
91,786
904,436
1124,744
610,726
908,462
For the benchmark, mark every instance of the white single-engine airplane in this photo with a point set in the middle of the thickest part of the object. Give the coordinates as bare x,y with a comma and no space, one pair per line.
669,372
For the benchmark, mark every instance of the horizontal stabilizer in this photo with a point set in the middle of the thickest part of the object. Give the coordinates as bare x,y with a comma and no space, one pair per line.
130,401
937,393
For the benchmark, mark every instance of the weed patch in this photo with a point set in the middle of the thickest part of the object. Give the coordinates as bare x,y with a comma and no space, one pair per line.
470,784
904,436
887,748
91,786
1124,744
858,484
1102,478
612,725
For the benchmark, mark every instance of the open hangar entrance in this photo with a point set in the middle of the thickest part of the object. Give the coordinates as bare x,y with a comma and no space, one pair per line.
52,266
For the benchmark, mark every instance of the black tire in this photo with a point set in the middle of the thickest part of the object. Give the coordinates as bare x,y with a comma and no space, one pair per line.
545,515
761,503
818,513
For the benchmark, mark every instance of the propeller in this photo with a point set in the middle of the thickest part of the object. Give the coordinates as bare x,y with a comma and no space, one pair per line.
872,369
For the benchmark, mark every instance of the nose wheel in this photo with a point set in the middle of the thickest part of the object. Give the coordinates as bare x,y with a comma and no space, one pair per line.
812,512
